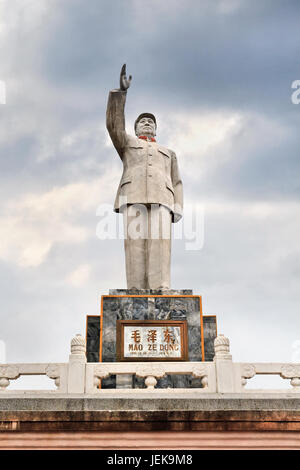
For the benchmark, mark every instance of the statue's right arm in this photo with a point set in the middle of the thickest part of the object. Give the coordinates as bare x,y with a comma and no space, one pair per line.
115,116
115,119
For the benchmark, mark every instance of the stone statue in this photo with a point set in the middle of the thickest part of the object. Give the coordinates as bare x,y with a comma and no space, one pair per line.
149,194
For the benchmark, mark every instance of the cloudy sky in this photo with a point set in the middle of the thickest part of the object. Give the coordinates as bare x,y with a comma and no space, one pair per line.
218,75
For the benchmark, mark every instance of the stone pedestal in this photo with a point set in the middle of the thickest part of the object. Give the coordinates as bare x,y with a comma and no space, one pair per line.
123,304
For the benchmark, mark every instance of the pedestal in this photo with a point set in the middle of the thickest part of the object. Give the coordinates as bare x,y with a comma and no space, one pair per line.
122,304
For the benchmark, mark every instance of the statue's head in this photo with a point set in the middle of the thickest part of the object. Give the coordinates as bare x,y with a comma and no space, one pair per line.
145,124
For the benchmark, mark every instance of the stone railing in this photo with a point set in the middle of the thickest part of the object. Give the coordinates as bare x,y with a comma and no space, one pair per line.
57,372
151,371
220,376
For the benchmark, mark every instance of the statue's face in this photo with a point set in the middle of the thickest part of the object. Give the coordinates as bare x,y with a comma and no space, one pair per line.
145,126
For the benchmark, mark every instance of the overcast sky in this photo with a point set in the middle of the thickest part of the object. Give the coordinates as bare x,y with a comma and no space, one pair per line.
217,74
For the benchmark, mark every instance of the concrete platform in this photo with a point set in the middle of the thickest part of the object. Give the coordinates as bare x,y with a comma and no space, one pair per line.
147,420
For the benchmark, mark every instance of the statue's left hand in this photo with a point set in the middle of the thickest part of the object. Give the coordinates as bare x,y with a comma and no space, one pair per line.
176,218
124,81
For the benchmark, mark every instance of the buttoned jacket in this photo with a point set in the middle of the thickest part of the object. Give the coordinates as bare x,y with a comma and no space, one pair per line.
150,171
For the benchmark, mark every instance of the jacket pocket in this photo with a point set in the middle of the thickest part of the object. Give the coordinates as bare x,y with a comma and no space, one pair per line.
170,187
164,152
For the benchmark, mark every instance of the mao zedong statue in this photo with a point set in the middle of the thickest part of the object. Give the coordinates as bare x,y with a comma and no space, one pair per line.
149,194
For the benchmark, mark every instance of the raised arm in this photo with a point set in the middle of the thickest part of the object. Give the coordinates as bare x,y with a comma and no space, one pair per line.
115,116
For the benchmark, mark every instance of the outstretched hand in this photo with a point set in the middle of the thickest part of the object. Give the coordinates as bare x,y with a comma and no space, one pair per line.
124,81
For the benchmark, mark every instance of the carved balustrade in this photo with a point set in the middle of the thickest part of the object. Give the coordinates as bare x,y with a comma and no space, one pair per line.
220,376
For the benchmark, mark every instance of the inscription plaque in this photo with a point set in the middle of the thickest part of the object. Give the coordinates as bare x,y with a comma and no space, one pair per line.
151,340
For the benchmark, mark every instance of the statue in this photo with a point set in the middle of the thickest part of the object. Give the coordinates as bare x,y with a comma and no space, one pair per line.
149,194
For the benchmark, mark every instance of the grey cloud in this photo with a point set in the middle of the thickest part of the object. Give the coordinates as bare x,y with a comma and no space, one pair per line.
265,172
205,60
197,56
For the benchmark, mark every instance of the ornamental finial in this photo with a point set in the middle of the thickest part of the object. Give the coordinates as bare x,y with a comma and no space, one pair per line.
222,348
78,345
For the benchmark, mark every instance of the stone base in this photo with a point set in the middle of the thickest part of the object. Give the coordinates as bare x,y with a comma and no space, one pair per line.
155,292
152,422
122,304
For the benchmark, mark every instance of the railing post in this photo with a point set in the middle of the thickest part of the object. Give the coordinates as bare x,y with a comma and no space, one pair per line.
77,365
224,367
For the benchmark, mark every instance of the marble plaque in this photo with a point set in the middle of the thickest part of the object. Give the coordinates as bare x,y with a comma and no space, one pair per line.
151,340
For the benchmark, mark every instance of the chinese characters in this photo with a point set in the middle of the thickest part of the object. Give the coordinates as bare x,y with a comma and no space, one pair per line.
153,341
